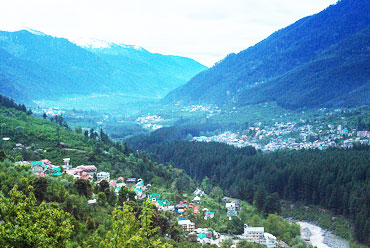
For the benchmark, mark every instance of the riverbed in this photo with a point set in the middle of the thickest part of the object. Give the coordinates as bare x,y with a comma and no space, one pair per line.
321,238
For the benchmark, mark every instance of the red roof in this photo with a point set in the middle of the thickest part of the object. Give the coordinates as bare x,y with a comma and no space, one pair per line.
88,168
73,171
45,161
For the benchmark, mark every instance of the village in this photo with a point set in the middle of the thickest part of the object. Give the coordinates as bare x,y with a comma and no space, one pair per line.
291,136
183,210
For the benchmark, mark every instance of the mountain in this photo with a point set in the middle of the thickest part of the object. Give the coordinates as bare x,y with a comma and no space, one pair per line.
143,68
36,66
286,62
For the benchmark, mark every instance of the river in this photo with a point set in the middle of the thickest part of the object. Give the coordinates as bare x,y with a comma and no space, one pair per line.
321,238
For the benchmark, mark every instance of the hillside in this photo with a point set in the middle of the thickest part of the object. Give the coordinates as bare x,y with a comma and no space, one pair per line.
147,70
54,211
35,66
279,57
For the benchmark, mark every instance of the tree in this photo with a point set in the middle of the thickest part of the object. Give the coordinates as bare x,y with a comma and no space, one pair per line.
125,194
83,187
272,205
78,129
44,116
260,198
25,224
246,244
131,231
102,198
40,186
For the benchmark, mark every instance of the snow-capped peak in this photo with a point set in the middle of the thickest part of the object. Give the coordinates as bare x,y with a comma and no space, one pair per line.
33,31
96,43
92,43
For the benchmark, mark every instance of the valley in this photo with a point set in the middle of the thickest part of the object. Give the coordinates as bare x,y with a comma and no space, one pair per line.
104,144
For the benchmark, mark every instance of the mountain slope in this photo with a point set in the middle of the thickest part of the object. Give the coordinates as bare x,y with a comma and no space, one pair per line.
285,50
35,66
339,77
146,69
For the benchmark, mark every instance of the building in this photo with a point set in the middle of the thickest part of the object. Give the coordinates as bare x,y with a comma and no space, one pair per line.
237,205
187,225
198,192
131,181
196,200
230,206
67,164
254,234
89,169
258,235
209,215
103,176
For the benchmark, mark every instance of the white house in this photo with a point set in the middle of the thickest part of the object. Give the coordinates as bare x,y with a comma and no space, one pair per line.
66,163
258,235
187,225
254,234
103,175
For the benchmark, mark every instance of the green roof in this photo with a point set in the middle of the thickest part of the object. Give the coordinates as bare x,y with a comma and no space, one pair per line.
202,236
156,196
164,202
57,173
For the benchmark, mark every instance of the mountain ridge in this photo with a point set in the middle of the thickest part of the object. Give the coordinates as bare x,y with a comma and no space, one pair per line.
57,68
300,43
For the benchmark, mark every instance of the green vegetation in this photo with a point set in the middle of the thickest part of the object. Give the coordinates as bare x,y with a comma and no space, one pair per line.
335,179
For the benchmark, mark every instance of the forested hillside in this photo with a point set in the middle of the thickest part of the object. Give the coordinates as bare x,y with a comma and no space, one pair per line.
334,179
53,210
291,61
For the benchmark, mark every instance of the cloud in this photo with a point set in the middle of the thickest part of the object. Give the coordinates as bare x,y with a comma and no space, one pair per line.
206,30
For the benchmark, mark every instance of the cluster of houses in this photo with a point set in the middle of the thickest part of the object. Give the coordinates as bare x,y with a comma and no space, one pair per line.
203,235
291,136
151,122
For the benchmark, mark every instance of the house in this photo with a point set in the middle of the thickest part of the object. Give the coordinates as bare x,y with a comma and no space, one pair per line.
196,200
89,169
231,213
254,234
121,179
237,205
196,210
131,181
66,163
180,208
38,168
187,225
103,176
226,199
230,206
91,202
76,173
198,192
209,215
162,204
270,240
154,197
44,167
139,193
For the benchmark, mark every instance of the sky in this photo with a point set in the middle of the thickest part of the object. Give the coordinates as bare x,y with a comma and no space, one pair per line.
205,30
